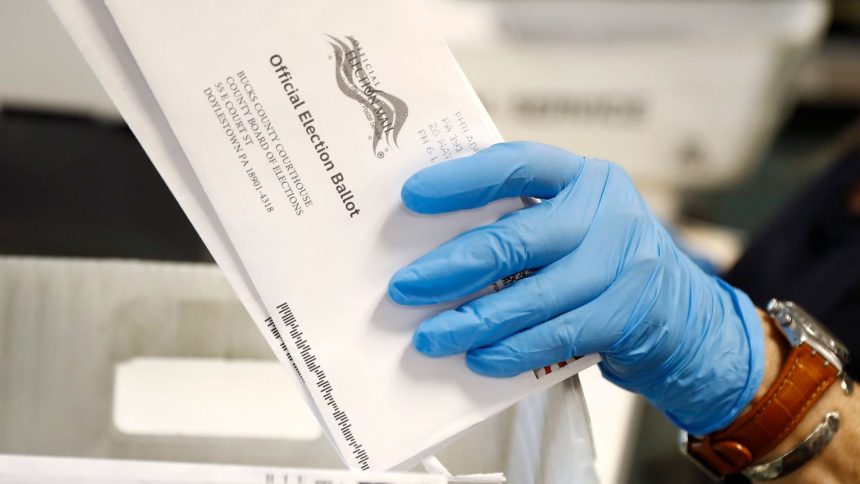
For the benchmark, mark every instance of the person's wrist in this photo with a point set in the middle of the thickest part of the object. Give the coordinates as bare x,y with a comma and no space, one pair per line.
833,399
721,452
776,350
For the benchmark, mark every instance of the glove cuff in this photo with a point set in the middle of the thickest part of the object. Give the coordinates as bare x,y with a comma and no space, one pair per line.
746,311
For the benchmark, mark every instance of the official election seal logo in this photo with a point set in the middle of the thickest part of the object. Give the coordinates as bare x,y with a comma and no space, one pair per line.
357,80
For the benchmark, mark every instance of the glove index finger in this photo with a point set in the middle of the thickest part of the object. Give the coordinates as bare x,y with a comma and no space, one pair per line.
501,171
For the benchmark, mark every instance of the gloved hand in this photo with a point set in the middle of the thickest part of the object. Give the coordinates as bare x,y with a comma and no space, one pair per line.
610,280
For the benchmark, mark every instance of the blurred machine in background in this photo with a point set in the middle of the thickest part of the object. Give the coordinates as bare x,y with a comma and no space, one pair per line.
683,94
687,96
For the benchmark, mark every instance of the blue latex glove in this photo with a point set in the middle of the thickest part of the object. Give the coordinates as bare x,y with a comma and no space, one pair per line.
610,280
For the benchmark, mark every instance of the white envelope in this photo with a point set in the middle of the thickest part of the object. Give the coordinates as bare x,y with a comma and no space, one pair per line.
292,177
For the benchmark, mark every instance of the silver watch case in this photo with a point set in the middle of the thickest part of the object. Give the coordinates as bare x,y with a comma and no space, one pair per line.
800,327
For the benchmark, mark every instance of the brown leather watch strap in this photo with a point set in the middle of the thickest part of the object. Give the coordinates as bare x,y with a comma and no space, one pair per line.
804,377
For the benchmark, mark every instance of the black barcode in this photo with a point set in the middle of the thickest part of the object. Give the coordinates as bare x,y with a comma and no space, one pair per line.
323,384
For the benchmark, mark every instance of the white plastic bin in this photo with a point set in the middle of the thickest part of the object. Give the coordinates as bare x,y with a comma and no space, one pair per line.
67,326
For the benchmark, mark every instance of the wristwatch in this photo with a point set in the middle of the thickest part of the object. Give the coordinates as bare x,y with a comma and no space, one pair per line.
816,361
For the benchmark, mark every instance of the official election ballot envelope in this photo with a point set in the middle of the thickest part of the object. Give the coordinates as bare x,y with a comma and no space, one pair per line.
54,470
300,122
